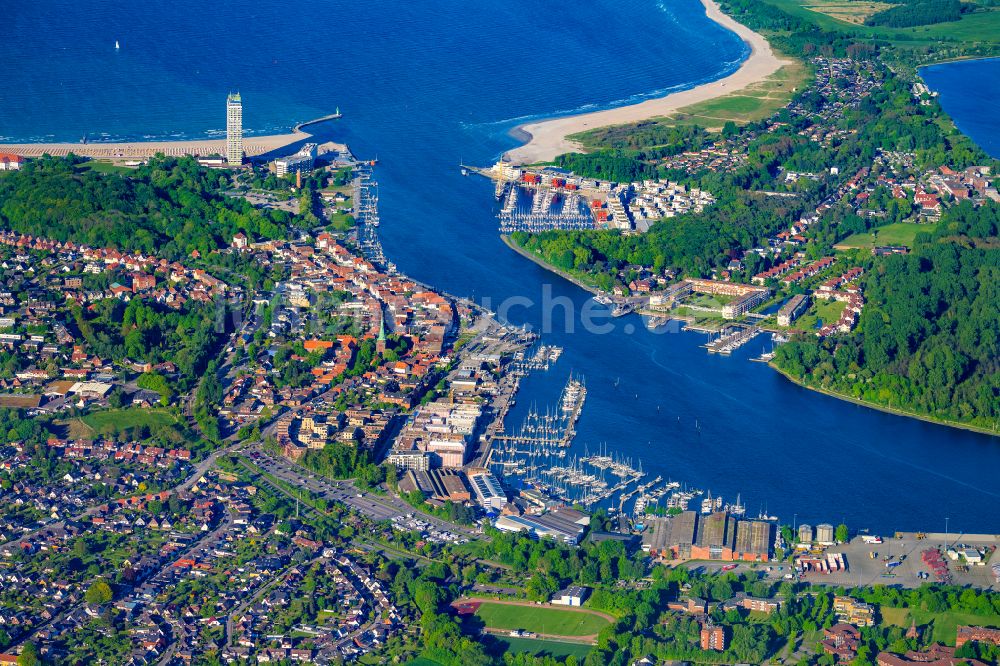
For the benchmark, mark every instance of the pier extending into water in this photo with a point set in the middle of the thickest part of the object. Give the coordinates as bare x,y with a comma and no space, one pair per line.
732,338
537,206
548,211
365,198
549,431
539,359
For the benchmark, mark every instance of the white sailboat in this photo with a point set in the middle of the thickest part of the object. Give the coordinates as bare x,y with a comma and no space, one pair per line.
117,45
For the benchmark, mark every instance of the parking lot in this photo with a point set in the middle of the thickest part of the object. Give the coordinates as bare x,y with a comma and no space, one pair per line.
414,523
863,570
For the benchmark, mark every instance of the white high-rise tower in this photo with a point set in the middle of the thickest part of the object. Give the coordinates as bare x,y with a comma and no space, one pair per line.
234,129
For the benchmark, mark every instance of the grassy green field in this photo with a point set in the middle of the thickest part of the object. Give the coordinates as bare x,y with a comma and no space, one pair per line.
115,420
541,619
979,27
323,617
342,221
944,623
422,661
827,311
851,11
106,167
470,549
698,315
901,233
709,300
129,418
540,647
756,101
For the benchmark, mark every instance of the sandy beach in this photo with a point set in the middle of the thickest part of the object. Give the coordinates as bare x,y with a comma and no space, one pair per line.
548,137
252,146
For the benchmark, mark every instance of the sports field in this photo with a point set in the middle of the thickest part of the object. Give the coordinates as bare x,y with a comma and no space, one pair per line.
541,647
540,619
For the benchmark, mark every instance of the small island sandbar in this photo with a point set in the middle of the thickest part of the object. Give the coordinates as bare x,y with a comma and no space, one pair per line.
549,138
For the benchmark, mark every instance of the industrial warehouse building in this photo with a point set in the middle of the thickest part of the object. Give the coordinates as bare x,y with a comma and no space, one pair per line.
715,536
670,537
437,484
489,493
561,524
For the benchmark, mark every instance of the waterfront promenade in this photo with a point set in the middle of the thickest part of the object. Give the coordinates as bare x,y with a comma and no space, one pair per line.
253,146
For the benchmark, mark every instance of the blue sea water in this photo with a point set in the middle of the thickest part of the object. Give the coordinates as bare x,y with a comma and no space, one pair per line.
970,93
425,86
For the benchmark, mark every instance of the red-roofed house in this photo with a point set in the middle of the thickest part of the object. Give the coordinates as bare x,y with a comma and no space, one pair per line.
9,162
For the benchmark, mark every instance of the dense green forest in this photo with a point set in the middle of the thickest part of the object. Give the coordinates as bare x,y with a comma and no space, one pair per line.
345,461
143,330
919,12
640,135
169,207
929,336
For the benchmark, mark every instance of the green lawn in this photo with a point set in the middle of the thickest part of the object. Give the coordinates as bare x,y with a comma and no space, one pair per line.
944,623
342,221
422,661
323,617
541,647
128,418
699,315
901,233
106,167
827,311
709,300
471,549
91,425
541,619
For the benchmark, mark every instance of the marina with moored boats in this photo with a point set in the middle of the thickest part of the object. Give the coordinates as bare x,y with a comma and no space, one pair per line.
537,453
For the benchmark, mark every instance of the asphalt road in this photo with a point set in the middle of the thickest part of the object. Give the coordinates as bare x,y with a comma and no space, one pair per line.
378,507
